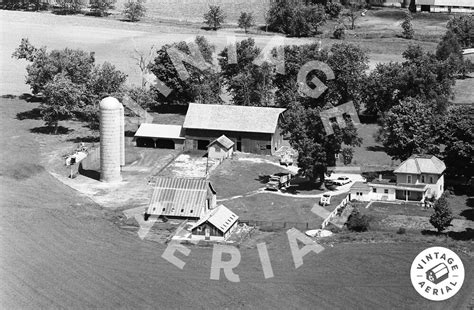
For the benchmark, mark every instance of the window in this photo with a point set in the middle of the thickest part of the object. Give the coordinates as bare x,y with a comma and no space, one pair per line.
431,180
408,178
422,179
374,190
269,146
385,191
164,209
191,211
182,210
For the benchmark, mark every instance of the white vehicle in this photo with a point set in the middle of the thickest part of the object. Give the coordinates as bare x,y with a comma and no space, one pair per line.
286,160
342,181
325,200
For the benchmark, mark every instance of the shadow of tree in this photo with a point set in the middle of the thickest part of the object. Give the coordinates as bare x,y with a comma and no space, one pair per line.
375,148
30,98
466,235
31,114
50,130
84,139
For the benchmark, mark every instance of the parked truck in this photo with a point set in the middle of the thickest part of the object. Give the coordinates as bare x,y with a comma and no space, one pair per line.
277,182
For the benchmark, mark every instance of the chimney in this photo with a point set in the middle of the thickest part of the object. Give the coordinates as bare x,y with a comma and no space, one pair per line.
380,177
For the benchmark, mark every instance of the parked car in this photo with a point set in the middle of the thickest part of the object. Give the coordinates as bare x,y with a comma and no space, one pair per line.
342,181
325,200
329,184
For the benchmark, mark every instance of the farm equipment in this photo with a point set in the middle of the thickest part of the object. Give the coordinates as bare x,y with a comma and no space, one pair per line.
286,159
325,200
277,182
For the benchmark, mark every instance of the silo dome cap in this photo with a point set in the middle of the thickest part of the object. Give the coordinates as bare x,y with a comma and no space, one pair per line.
110,103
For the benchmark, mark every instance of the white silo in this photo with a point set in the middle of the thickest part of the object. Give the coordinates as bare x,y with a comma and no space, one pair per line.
110,140
122,136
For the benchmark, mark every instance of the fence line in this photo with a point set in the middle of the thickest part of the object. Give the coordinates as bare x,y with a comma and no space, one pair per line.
279,225
335,211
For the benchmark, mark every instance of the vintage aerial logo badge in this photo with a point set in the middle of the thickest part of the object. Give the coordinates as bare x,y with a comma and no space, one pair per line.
437,273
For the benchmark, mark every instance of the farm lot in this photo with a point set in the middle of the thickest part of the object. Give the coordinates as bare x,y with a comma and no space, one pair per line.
60,249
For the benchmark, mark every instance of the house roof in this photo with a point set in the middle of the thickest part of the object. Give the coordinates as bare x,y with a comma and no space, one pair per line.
458,3
223,141
400,186
179,197
232,118
160,131
221,218
418,164
360,186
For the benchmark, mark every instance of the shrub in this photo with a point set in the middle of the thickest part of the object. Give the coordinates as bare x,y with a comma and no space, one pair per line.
401,231
358,222
407,26
347,155
340,32
442,216
333,9
134,10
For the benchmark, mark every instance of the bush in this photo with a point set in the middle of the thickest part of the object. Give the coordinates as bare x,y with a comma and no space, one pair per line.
358,222
442,216
340,32
407,26
333,9
401,231
347,155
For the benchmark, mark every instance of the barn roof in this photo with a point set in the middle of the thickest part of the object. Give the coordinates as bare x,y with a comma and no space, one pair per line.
179,197
418,164
221,218
458,3
160,131
232,118
223,141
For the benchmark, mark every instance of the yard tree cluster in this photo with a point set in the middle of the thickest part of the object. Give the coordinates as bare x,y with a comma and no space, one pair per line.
69,81
299,20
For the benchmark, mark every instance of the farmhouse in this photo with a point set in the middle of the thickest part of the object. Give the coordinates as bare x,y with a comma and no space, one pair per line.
417,178
221,148
252,129
160,136
217,224
445,6
182,198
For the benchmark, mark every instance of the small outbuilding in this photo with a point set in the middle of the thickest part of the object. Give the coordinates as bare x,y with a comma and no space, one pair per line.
160,136
217,224
181,198
220,148
360,191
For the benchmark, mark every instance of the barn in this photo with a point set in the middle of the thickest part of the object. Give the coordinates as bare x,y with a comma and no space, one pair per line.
160,136
181,198
445,6
221,148
252,129
217,224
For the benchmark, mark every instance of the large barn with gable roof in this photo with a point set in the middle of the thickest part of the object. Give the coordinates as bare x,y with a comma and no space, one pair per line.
252,129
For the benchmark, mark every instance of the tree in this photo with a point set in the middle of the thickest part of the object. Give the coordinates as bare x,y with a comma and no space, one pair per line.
280,16
202,85
306,19
101,7
249,84
462,26
352,13
442,216
457,135
62,99
70,6
421,75
450,51
358,222
333,9
410,128
339,31
246,21
407,26
134,10
412,6
69,81
215,17
316,149
347,155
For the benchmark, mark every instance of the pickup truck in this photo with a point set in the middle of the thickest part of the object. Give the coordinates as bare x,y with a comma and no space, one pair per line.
276,182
